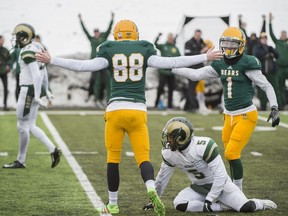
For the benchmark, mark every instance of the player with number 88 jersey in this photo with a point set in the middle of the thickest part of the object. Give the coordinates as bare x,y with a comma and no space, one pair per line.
127,59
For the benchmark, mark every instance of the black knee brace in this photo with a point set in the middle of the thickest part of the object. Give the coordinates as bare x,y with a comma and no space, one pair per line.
250,206
182,207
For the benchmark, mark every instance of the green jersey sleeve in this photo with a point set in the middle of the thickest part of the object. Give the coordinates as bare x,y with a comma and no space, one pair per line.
211,151
28,56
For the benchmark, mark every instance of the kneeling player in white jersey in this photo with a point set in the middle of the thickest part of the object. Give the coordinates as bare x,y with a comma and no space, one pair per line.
34,85
212,189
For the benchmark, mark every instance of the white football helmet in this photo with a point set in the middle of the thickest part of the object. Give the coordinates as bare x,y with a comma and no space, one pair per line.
177,133
24,34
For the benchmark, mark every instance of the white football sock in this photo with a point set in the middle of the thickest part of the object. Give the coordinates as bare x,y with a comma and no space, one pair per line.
113,197
238,183
24,137
150,184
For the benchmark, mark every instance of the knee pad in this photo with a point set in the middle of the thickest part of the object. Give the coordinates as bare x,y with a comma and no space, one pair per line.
249,206
231,155
182,207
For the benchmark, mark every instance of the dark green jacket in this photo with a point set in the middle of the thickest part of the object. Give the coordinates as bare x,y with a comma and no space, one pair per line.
281,48
4,59
96,42
167,50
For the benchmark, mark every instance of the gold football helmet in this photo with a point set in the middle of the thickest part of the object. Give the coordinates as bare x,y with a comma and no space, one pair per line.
125,30
24,34
177,133
232,42
208,43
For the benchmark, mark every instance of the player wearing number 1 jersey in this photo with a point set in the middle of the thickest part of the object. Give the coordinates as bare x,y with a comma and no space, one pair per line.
127,59
237,72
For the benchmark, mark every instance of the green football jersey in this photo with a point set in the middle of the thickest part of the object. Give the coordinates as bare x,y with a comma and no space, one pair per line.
127,68
237,87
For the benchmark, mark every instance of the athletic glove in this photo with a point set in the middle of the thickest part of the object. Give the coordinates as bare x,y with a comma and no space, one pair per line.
274,115
40,102
149,206
207,206
49,95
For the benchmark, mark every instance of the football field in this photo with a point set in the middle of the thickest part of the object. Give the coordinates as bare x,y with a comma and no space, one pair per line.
78,184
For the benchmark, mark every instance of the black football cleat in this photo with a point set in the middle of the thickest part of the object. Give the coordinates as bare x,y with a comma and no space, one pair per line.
55,157
15,165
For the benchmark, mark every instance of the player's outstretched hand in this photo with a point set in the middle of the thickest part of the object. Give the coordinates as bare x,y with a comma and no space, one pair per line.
214,54
43,57
149,206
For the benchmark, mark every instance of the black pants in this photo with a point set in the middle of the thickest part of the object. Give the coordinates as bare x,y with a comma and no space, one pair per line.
170,80
190,95
17,90
97,84
4,79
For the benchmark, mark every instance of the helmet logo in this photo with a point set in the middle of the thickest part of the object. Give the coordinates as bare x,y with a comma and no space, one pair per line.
120,36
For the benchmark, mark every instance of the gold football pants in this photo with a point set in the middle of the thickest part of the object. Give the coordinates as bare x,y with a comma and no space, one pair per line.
134,123
236,133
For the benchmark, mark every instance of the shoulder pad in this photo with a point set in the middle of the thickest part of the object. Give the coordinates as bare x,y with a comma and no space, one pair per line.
211,151
252,62
207,148
28,56
146,43
103,45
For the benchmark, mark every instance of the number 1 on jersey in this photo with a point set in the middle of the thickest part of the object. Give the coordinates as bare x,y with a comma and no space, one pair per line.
229,87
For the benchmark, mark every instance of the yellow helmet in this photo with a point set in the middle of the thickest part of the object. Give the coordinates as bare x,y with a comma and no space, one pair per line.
232,42
24,34
125,30
208,43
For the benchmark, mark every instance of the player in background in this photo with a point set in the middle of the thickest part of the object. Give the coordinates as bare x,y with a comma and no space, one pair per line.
198,157
237,72
98,81
127,59
33,85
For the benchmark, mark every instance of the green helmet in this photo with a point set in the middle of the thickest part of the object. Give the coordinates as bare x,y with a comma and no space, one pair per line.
177,133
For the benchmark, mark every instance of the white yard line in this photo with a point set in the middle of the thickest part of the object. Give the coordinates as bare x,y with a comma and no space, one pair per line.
85,183
265,119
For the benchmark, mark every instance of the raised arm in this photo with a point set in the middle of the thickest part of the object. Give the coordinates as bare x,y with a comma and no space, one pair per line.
263,28
106,34
271,30
72,64
158,46
203,73
183,61
84,28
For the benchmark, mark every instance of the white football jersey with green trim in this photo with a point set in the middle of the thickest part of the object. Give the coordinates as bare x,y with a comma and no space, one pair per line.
27,56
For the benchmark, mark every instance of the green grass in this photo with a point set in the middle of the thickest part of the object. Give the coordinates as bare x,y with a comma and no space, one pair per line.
40,190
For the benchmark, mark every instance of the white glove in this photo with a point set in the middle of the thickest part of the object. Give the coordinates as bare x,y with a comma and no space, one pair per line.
49,95
40,102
